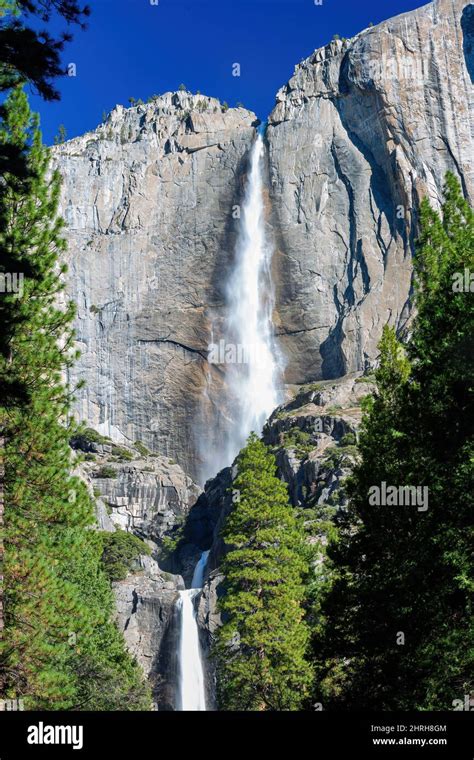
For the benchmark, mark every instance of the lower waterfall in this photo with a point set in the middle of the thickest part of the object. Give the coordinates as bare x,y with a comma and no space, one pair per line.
191,686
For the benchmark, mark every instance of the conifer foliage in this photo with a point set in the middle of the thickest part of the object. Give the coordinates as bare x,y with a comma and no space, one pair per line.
59,648
398,620
29,54
262,645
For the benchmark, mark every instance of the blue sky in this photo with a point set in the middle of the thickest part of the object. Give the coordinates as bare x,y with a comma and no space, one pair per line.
135,48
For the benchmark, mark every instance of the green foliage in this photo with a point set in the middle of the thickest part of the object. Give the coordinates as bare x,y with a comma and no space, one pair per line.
225,106
368,378
170,543
121,550
122,453
88,435
260,649
349,439
61,136
142,449
335,457
333,409
395,569
311,387
105,676
298,439
28,53
106,471
54,592
182,88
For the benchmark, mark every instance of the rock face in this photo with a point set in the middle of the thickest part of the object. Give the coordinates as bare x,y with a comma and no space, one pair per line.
139,492
360,134
148,500
145,603
313,438
362,131
148,200
148,496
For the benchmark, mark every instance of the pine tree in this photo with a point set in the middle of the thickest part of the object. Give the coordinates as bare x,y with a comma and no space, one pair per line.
57,601
399,616
29,54
260,649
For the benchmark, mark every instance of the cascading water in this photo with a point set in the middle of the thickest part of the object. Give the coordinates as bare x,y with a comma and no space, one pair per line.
253,376
191,689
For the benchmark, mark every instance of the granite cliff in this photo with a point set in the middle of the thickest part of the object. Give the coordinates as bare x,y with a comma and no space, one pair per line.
148,199
362,131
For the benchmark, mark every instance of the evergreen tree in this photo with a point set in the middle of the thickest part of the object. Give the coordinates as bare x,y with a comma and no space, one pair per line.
398,620
57,601
260,649
61,137
31,55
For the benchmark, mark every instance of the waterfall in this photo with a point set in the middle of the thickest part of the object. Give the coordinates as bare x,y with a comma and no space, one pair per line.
253,366
191,688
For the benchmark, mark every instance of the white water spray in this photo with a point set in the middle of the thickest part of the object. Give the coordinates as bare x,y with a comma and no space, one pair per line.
253,382
191,689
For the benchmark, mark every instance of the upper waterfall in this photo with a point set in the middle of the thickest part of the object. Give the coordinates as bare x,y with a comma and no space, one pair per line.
253,367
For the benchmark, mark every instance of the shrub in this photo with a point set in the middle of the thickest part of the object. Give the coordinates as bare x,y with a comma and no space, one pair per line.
170,543
121,551
93,436
121,453
369,378
349,439
106,471
142,449
299,440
